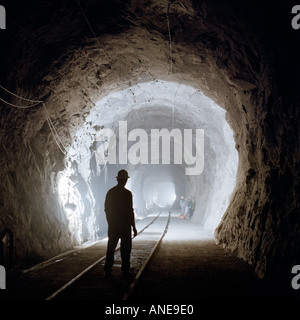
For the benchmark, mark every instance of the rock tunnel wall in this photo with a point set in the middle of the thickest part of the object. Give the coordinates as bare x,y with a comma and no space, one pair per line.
216,48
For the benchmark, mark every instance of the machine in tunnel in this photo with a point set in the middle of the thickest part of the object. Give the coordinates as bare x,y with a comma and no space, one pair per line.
121,132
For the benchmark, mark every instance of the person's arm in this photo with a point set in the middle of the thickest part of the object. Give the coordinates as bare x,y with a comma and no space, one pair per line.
132,219
133,226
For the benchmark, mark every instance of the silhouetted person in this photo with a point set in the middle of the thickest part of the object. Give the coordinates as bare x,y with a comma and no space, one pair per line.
120,219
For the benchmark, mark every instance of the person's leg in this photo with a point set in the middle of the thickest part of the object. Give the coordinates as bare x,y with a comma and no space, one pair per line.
110,252
126,245
192,212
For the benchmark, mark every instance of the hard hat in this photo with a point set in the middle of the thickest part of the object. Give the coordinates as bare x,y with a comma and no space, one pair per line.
122,174
182,197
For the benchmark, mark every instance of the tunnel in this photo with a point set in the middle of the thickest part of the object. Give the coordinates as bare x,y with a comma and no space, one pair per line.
151,130
193,98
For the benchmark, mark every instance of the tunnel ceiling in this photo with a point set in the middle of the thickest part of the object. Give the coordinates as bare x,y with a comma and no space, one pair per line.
70,55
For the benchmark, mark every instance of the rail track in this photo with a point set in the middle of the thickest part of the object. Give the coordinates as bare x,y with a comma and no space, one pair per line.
78,274
90,282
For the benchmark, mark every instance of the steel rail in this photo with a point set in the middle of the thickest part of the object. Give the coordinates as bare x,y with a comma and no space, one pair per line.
141,270
53,295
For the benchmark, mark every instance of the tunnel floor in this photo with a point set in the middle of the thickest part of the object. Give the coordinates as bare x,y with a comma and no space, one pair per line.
186,266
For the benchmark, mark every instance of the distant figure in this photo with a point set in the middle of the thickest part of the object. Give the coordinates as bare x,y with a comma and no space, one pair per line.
190,207
182,206
120,219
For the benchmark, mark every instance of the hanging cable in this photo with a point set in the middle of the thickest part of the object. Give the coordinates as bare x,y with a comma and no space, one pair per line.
19,97
170,38
56,136
19,107
34,102
92,30
171,56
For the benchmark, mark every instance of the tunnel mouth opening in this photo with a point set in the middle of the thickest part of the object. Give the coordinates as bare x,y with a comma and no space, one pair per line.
215,47
172,108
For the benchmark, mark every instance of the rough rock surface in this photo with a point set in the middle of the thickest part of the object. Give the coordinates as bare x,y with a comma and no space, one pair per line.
226,49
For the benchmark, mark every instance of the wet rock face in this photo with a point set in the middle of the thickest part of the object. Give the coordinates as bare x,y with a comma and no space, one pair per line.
216,48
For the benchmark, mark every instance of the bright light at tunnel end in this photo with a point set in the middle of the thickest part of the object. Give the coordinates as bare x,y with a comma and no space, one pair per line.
164,194
168,125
